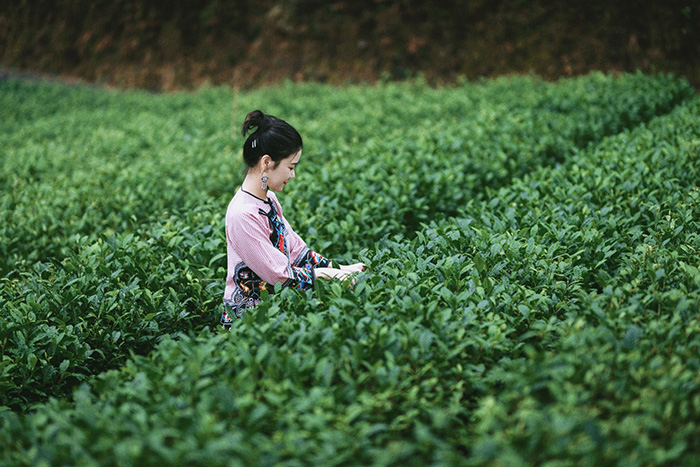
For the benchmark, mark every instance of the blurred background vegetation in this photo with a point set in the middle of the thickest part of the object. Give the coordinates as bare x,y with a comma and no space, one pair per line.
184,44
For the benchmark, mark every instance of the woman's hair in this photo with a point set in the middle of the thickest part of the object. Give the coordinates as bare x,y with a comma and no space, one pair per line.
272,136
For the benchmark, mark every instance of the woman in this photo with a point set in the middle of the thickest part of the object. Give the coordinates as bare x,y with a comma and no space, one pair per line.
261,246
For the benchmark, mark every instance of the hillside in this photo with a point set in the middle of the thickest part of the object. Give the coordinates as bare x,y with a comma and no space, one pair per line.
176,45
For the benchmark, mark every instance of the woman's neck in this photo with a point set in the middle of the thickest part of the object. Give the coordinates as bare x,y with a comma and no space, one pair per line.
253,185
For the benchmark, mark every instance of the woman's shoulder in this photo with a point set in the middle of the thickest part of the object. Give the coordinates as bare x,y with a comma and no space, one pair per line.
241,205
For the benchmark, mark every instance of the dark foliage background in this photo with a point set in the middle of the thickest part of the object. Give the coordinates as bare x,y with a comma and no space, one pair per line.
185,43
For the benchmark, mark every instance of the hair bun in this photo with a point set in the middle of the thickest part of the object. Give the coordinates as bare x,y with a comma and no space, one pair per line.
256,119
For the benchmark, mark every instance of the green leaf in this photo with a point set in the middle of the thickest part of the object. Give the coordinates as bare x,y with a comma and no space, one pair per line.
480,264
31,361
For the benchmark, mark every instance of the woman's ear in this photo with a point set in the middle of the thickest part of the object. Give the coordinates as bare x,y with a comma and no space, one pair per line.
265,162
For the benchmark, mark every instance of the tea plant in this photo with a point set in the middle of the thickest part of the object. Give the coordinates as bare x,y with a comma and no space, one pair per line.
539,305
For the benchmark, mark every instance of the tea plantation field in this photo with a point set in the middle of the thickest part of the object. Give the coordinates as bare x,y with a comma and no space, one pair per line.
532,298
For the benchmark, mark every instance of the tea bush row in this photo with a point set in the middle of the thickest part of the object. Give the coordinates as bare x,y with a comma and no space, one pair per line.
554,320
99,185
99,163
622,383
91,163
406,171
66,321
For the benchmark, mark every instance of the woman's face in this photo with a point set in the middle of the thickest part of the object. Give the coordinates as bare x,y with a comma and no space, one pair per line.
283,173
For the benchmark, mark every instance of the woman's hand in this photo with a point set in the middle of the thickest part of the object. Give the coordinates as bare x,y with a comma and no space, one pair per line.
342,273
357,267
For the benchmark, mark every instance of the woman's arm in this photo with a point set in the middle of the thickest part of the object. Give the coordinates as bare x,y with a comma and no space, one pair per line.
249,236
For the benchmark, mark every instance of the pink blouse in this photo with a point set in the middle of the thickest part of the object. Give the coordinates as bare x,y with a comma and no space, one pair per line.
262,249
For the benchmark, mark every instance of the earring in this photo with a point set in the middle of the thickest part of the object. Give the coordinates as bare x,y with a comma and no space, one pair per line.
264,180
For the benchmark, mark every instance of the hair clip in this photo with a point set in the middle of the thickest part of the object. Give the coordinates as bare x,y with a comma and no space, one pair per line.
254,143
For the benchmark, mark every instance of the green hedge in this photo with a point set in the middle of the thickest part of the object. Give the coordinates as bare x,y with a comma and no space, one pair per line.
418,154
90,163
550,315
99,183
